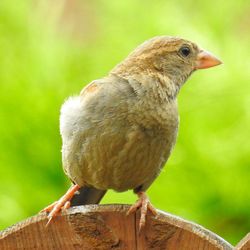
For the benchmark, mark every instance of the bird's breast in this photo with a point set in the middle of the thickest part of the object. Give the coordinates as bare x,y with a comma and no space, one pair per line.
113,162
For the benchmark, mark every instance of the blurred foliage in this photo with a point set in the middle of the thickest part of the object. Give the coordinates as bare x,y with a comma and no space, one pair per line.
51,49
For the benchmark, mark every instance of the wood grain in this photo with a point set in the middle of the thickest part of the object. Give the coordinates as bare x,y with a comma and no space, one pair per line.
107,227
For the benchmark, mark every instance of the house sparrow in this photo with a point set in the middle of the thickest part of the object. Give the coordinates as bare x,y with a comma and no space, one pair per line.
119,132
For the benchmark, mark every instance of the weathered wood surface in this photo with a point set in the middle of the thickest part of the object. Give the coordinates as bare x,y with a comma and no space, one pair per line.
244,244
108,227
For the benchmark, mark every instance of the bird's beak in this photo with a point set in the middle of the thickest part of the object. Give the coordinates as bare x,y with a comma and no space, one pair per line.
206,60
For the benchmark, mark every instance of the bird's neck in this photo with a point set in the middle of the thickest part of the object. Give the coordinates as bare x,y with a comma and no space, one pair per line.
151,78
160,87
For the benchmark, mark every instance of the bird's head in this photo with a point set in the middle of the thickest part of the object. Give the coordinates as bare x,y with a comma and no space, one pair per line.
171,58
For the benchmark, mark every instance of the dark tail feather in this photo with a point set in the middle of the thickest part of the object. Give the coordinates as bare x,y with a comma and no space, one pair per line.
87,195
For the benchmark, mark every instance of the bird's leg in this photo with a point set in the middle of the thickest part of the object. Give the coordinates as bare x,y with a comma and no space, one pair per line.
63,203
144,203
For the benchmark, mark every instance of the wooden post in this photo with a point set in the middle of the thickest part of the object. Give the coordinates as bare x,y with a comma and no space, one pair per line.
107,227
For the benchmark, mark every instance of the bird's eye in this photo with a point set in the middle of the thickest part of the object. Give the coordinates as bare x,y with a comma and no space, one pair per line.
185,51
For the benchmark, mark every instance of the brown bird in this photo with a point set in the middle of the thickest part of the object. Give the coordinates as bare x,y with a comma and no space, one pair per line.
119,132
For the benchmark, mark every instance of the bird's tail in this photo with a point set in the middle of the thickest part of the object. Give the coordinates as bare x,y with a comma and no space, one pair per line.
87,195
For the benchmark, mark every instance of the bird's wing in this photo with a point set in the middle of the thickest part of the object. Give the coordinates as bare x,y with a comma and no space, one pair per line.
90,123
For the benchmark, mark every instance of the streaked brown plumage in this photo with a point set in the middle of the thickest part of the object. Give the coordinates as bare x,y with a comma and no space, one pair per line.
120,131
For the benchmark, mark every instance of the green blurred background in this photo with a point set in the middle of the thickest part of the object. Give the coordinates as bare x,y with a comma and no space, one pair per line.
51,49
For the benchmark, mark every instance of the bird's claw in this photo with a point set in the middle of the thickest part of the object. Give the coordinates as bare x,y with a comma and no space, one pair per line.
144,203
62,204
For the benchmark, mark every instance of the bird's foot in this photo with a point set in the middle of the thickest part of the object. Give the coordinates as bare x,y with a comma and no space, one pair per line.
63,203
144,203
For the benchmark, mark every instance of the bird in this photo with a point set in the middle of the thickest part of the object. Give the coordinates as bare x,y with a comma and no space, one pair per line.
119,132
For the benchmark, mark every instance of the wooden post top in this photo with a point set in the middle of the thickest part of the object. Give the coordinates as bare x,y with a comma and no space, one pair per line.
107,227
